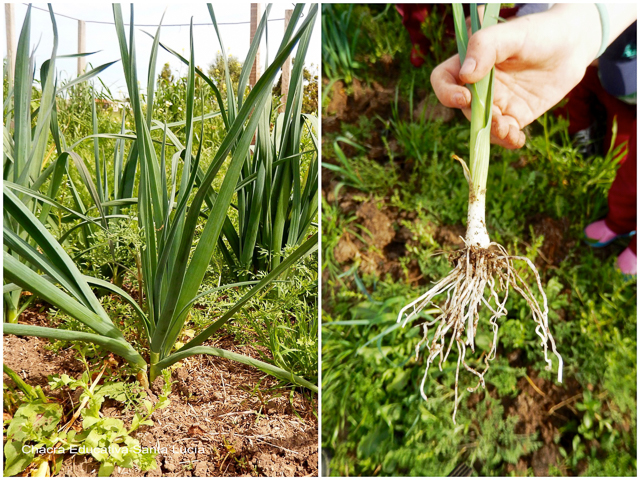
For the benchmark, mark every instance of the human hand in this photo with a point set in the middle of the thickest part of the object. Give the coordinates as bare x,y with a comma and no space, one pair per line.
539,58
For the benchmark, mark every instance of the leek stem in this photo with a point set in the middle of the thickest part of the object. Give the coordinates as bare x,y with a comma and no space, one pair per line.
480,134
10,314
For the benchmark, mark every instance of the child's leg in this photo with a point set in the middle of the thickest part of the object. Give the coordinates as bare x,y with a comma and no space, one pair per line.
625,116
622,195
622,216
412,17
588,100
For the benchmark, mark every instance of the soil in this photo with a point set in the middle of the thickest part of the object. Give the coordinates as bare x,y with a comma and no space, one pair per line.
224,419
366,100
451,235
544,409
386,240
555,246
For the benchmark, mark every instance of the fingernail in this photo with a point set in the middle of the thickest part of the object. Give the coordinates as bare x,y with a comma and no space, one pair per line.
468,66
459,100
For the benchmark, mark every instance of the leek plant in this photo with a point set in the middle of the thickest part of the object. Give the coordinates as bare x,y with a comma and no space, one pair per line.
482,269
278,203
111,191
169,216
29,160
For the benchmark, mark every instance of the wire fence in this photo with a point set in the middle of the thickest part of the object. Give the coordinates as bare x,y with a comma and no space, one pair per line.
110,78
101,22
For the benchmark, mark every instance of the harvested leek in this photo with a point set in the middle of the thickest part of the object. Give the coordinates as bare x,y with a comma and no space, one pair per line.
482,265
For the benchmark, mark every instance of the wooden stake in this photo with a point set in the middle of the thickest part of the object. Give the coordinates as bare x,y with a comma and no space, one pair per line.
9,17
256,14
82,46
286,68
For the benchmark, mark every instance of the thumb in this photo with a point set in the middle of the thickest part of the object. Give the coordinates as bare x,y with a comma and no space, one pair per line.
490,46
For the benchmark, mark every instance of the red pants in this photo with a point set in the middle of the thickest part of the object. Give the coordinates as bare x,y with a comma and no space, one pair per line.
589,100
585,102
413,15
622,216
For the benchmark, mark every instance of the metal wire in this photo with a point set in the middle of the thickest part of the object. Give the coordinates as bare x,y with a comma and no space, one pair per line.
148,25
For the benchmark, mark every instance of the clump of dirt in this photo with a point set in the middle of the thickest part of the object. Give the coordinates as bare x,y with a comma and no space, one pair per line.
224,419
347,104
451,235
386,240
544,407
377,223
555,246
371,100
377,228
338,104
381,230
346,250
430,109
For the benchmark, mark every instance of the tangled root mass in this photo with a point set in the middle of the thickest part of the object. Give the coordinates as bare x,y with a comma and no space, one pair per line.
475,271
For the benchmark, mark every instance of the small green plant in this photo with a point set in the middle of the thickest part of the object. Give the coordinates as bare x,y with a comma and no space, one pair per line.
382,33
36,437
349,168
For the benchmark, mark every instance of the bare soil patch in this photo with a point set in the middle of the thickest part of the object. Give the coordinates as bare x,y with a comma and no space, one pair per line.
349,102
224,419
385,244
555,246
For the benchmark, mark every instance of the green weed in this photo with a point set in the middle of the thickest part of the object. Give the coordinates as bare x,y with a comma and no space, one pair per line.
37,424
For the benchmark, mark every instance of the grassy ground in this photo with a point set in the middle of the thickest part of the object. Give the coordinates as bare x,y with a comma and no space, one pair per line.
394,206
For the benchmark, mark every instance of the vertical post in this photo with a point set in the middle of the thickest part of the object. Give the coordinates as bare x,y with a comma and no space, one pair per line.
9,17
256,13
82,46
286,68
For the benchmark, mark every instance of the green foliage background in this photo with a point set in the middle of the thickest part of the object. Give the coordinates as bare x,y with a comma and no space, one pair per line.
374,420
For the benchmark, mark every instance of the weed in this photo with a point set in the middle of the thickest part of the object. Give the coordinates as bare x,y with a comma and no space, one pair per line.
37,440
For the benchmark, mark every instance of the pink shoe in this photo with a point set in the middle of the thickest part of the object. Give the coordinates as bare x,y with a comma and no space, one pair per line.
628,262
599,235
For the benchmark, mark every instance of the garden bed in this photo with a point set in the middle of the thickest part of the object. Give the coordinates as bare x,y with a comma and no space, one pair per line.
224,418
